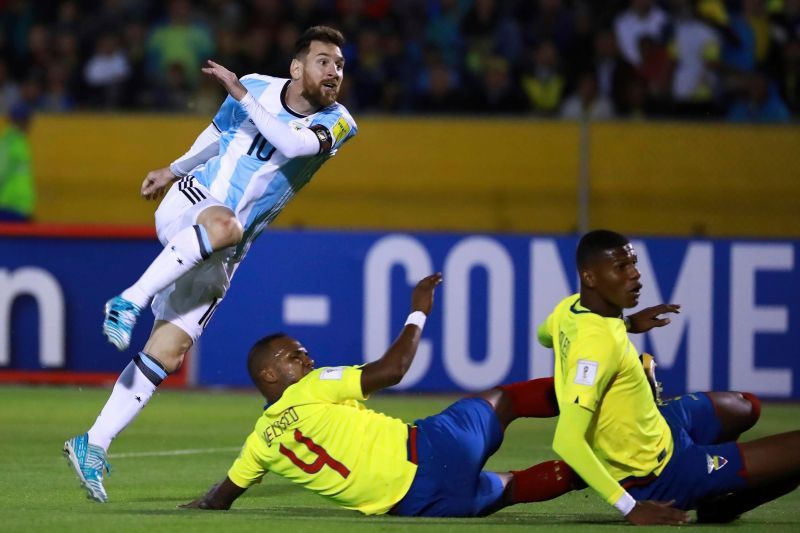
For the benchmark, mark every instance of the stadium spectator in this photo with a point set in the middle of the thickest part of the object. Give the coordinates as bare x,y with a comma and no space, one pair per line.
761,103
440,92
17,189
696,51
586,103
183,41
498,91
206,226
643,19
655,70
542,79
9,89
753,34
317,433
106,73
613,73
790,80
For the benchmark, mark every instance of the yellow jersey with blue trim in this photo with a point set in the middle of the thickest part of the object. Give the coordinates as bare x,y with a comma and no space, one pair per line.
598,368
319,435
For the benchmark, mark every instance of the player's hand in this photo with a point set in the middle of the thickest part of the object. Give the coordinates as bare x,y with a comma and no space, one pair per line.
199,503
156,183
226,78
650,318
652,513
422,297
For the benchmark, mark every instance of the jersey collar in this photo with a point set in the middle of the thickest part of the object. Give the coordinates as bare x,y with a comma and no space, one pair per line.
283,101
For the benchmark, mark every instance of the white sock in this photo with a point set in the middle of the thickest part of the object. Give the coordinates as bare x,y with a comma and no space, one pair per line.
187,248
132,391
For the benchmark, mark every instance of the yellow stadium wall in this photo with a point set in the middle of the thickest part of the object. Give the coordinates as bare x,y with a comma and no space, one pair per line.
459,174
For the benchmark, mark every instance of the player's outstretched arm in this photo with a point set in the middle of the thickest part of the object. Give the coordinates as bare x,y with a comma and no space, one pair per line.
390,369
291,142
650,318
218,498
226,78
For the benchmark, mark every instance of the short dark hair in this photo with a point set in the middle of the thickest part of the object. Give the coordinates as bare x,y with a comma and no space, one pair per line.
256,355
325,34
596,242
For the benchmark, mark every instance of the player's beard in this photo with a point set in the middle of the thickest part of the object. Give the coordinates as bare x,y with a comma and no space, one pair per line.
318,94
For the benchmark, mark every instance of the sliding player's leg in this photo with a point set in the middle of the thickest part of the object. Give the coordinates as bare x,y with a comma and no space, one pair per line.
772,469
713,417
736,411
535,398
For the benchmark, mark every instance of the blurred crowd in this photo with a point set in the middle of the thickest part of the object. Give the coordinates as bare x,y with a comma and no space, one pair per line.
724,59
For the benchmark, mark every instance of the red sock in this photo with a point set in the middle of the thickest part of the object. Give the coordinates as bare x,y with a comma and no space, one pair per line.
535,398
755,403
541,482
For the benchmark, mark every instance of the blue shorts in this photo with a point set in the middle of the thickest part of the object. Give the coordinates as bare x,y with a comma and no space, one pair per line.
452,448
698,469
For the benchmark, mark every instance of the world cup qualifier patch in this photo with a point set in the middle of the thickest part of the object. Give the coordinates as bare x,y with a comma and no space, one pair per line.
715,462
340,129
332,373
586,372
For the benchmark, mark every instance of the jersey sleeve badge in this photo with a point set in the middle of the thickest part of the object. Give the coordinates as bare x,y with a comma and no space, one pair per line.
340,129
586,372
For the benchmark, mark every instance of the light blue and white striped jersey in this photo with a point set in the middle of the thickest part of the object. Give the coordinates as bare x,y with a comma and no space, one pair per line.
249,175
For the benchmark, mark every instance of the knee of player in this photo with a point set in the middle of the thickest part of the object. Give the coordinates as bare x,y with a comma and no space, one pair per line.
225,231
754,404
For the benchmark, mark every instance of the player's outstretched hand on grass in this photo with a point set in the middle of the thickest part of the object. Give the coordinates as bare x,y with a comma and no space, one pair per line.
156,183
653,513
422,297
226,78
650,318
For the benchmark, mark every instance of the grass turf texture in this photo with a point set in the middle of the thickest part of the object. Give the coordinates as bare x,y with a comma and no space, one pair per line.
41,493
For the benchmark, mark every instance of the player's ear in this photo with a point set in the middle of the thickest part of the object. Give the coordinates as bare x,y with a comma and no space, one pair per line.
296,69
588,278
268,375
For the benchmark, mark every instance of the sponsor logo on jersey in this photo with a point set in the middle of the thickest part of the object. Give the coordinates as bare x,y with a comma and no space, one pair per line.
715,463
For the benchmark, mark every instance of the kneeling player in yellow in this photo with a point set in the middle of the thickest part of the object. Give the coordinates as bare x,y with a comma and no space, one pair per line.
317,433
610,430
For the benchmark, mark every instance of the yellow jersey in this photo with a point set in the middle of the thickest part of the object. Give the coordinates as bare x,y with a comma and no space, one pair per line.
320,435
597,367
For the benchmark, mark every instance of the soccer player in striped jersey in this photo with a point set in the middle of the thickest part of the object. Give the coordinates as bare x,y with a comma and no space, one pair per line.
263,146
635,454
317,433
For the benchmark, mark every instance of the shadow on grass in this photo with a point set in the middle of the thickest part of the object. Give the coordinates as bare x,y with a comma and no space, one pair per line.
344,516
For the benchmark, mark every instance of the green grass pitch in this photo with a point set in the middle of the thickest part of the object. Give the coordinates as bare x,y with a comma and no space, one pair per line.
203,430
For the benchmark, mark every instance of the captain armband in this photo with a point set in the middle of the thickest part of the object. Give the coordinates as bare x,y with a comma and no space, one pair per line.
323,136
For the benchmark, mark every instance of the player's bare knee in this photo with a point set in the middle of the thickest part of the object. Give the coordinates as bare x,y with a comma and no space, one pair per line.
753,404
224,232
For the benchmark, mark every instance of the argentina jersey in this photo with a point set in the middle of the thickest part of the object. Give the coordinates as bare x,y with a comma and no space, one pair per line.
249,175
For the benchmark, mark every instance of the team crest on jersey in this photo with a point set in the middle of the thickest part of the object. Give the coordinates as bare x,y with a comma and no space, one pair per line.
340,129
715,463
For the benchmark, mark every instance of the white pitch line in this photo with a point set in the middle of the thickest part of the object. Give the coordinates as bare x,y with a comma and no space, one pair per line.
167,453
